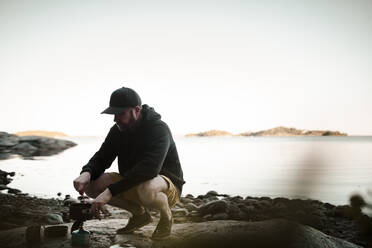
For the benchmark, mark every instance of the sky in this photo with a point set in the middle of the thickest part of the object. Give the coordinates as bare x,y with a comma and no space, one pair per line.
229,65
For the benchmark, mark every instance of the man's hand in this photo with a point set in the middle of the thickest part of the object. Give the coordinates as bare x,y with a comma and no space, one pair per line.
99,202
81,182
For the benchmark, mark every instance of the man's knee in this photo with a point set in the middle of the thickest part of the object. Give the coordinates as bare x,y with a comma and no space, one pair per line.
147,191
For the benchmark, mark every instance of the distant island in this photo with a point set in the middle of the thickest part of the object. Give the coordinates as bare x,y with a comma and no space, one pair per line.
277,131
210,133
50,134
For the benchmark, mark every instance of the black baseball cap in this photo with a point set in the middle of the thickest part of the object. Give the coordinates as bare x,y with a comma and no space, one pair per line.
122,99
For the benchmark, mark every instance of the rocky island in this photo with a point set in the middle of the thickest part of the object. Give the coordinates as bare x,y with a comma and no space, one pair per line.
277,131
30,146
51,134
210,133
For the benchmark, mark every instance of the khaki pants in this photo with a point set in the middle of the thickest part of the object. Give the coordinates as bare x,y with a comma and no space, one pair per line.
131,194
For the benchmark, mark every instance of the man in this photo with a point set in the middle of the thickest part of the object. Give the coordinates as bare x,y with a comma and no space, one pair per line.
150,171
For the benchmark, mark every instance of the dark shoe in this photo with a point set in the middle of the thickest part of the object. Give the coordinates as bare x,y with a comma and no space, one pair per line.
163,229
136,222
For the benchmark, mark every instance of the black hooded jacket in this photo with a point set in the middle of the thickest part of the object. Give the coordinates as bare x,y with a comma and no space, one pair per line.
142,154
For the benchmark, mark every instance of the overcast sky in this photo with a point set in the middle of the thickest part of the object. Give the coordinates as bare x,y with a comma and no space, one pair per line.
230,65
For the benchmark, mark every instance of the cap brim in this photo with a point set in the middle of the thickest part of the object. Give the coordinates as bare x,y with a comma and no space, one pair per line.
114,110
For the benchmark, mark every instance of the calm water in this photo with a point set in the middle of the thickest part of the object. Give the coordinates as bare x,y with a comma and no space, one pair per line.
324,168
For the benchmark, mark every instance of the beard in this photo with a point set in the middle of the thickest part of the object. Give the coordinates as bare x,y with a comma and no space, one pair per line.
128,127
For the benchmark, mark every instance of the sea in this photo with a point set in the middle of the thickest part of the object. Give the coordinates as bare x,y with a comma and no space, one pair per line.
329,169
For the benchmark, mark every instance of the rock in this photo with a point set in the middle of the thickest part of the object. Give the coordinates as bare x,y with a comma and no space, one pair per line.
191,207
33,235
212,193
68,201
264,204
55,231
47,146
189,196
265,198
180,205
25,149
186,200
207,217
6,225
213,207
248,209
198,202
276,233
2,187
179,212
279,206
194,213
13,191
6,210
5,154
4,180
220,216
4,173
234,212
249,202
28,146
283,200
8,140
237,199
53,219
210,198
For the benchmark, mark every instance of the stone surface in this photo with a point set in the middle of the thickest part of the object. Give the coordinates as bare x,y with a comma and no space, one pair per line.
270,233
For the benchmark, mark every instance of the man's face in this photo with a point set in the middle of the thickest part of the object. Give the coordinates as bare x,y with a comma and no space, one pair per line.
126,120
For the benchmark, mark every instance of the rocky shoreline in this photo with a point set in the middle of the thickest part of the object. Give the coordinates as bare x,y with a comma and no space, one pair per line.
30,146
18,211
277,131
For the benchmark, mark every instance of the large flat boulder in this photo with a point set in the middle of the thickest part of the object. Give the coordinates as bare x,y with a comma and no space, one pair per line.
229,233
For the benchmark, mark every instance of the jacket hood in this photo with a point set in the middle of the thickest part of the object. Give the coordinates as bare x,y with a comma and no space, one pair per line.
149,114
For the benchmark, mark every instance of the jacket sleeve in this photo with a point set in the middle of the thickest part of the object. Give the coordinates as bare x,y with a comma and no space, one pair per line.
156,149
102,159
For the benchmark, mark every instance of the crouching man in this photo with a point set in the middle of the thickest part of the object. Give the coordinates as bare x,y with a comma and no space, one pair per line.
150,173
